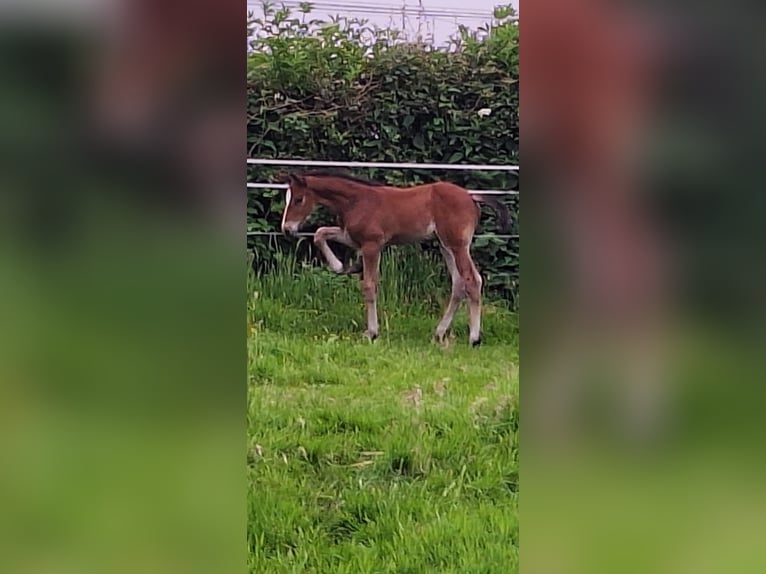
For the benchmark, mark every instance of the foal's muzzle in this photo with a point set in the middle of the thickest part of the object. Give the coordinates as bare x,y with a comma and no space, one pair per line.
290,229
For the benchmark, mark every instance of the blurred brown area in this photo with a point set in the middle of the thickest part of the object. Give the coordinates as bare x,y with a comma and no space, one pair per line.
122,356
588,91
643,258
166,85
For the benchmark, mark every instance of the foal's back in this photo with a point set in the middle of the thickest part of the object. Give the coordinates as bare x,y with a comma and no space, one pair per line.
414,213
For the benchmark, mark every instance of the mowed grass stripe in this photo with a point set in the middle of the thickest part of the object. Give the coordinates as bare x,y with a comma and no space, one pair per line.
398,456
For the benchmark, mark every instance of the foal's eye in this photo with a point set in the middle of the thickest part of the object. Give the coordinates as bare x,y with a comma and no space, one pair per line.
299,200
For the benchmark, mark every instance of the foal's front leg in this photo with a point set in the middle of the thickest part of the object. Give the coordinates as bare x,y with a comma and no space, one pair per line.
369,282
325,234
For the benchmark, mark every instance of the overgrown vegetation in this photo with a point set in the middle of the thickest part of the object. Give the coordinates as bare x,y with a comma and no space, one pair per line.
393,457
343,90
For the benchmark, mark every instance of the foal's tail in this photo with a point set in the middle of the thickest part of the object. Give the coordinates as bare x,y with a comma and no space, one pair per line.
502,211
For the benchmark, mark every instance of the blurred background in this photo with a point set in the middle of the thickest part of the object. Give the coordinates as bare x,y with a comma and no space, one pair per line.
643,266
122,356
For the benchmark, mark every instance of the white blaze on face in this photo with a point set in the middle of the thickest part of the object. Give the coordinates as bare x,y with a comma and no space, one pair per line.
288,198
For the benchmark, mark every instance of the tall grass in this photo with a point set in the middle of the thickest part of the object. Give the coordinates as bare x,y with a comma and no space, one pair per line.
413,283
409,278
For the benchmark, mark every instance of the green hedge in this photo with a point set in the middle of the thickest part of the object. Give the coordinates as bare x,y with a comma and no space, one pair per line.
342,90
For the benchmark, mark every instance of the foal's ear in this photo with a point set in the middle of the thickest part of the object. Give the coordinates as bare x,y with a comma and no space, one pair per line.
296,179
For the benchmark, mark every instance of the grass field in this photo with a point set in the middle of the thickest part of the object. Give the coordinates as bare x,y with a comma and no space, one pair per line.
398,456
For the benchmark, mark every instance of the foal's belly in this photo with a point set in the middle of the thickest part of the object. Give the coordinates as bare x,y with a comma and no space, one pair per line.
413,236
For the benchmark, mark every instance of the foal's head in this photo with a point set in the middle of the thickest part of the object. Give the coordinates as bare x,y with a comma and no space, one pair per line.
299,204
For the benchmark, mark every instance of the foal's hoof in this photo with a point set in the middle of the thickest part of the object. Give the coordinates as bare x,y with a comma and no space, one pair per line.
371,335
476,343
353,269
442,340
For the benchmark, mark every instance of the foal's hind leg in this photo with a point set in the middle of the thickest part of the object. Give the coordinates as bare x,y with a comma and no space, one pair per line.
456,297
472,282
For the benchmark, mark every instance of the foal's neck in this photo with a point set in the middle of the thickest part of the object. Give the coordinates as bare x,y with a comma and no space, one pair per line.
336,194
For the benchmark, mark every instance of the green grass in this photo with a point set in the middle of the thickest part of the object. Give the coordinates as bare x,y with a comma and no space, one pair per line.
397,456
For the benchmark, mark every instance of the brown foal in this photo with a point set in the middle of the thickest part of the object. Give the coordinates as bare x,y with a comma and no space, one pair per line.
373,215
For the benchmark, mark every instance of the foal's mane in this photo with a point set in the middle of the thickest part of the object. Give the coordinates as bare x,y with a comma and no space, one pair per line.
343,175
